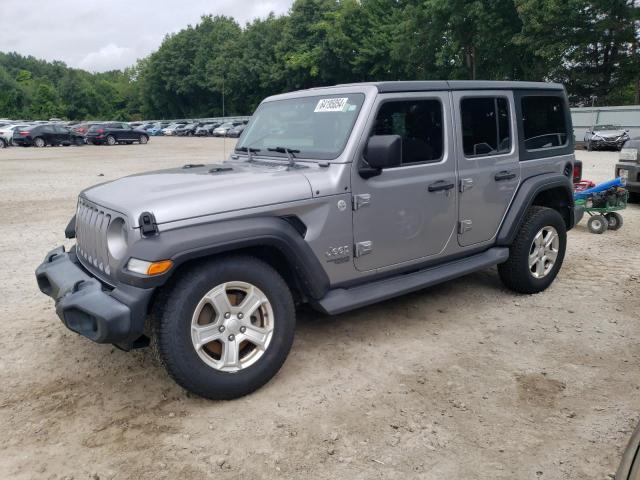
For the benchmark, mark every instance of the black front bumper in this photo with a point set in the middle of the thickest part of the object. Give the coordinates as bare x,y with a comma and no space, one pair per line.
88,307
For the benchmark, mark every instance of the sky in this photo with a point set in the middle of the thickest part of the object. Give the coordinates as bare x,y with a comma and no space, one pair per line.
101,35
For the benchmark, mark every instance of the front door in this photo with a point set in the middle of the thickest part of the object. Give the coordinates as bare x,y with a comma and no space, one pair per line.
488,164
408,212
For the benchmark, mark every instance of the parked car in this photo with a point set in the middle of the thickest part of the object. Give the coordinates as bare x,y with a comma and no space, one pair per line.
222,130
115,132
6,134
48,134
362,193
602,137
236,131
187,130
628,167
206,129
83,128
172,129
155,130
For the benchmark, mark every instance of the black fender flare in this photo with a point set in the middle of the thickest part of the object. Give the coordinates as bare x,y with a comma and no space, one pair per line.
197,241
524,198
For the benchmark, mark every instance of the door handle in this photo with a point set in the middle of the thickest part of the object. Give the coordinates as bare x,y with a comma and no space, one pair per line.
439,186
504,175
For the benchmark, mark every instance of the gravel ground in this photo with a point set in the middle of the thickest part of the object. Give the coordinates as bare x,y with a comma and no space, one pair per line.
463,380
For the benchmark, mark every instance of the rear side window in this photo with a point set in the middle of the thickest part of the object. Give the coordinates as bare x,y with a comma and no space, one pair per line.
419,123
485,126
544,122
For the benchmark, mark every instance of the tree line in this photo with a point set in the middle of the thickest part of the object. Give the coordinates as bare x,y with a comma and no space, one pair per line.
219,66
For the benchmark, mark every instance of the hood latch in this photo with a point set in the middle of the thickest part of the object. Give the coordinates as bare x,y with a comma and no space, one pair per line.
148,225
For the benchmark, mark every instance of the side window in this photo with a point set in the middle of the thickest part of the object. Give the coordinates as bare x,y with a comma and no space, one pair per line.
419,123
485,126
543,122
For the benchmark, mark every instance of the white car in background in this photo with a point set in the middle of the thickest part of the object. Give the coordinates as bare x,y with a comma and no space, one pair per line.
6,134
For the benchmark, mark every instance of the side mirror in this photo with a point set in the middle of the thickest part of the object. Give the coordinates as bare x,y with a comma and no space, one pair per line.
382,151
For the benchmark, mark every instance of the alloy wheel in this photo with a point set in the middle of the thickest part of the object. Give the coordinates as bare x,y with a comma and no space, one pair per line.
232,326
544,252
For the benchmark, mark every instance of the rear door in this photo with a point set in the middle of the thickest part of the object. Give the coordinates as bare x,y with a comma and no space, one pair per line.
407,213
117,131
62,134
487,158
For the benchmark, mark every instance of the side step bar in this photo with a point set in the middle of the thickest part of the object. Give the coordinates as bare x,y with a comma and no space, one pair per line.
343,299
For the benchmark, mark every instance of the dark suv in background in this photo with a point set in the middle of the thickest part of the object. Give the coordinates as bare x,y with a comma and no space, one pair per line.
48,134
115,132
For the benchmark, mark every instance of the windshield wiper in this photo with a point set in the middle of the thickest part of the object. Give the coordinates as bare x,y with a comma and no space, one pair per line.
288,151
250,151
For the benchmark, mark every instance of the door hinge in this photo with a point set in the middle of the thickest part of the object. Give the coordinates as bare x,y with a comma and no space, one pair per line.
363,248
361,200
466,184
464,226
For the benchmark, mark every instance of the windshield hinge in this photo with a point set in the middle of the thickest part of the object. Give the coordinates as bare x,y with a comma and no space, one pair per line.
361,200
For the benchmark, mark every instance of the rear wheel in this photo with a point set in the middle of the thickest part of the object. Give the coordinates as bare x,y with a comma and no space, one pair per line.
614,221
537,253
598,224
225,327
3,143
589,146
111,140
39,142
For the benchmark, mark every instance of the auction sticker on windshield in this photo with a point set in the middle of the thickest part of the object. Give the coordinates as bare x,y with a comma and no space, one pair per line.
331,105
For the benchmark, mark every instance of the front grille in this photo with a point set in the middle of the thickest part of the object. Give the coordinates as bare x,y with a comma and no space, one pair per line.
92,222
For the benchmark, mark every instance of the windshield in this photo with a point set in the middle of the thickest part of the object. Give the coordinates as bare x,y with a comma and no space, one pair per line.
318,127
606,127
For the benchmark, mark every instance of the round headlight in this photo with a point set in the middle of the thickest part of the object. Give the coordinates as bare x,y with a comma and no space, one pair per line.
117,238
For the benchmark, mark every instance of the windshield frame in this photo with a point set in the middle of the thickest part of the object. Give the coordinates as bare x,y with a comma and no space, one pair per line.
599,128
356,124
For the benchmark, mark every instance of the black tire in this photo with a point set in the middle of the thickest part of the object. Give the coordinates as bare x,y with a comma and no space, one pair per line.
614,220
172,315
515,273
39,142
3,143
589,146
143,139
111,140
598,224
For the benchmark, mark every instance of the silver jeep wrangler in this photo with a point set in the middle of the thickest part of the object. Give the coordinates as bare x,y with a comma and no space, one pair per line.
336,197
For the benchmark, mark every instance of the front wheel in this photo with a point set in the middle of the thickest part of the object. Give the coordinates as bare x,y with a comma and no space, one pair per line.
143,139
598,224
225,327
537,253
3,143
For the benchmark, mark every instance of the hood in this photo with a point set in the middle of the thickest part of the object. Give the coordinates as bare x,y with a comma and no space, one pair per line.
195,191
609,133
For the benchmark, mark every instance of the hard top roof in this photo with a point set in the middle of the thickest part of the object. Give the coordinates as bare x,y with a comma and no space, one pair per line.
430,85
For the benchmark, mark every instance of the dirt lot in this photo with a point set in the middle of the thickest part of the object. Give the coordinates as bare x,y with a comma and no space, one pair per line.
465,380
